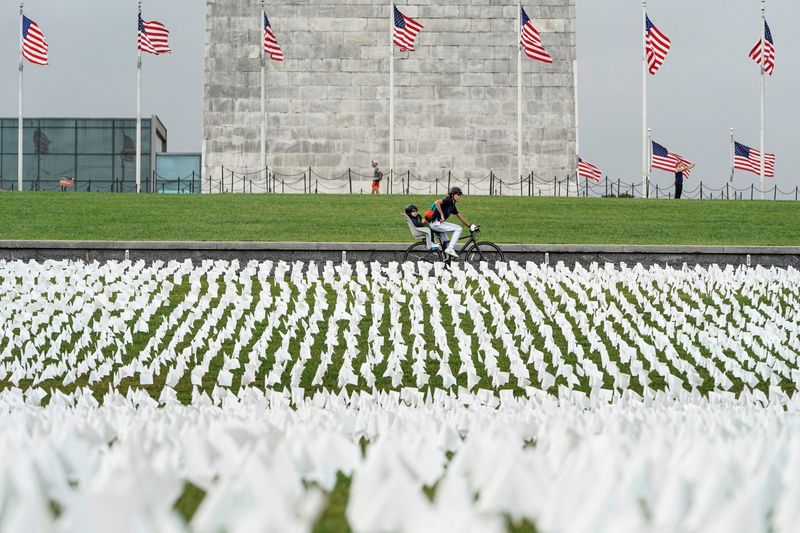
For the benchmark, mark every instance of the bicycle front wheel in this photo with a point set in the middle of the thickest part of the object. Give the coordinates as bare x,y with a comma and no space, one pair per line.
420,253
485,251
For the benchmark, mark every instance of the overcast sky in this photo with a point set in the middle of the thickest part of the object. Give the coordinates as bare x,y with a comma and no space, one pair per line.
706,85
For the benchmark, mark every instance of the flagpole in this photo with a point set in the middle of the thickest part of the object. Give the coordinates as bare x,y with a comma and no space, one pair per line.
577,131
763,88
645,149
519,90
391,89
263,96
733,151
648,149
139,115
19,116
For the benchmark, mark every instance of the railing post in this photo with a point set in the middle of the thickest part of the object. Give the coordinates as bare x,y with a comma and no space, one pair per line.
521,180
309,180
701,190
467,184
586,184
727,192
316,186
619,182
408,182
606,185
350,179
283,186
448,180
795,193
90,186
751,191
775,192
656,191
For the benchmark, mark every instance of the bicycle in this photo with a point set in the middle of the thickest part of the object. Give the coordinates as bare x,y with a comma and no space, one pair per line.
471,251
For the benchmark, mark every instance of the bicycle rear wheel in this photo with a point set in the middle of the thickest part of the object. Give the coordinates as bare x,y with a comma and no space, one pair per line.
484,251
419,253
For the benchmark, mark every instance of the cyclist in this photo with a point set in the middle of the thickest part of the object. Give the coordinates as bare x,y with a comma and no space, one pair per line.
442,210
412,212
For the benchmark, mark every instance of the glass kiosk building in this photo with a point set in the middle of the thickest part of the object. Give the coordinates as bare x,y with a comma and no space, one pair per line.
94,154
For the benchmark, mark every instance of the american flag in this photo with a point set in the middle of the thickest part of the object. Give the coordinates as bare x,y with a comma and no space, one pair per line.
530,41
769,51
128,149
34,45
405,31
41,143
588,170
746,158
663,159
271,46
153,37
658,45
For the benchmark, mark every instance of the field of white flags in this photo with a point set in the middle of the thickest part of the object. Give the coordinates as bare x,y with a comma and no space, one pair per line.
219,396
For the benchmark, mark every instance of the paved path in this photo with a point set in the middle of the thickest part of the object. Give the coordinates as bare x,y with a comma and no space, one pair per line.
675,255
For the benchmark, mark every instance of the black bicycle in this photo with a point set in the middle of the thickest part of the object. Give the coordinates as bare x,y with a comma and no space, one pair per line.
471,251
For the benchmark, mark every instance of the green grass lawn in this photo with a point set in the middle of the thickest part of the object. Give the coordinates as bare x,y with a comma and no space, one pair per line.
227,217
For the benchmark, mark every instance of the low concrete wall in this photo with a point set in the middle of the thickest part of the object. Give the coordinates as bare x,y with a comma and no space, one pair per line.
570,254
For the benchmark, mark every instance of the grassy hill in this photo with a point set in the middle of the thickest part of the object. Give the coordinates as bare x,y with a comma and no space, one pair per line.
103,216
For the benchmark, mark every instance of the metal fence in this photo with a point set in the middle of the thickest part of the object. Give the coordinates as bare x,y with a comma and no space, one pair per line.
351,181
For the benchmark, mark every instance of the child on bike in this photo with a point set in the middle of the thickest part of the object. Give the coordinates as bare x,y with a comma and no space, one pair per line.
412,212
442,210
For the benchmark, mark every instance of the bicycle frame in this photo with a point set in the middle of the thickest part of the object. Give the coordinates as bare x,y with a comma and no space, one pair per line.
464,247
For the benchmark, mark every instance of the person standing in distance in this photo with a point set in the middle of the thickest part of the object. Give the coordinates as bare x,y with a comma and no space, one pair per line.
377,176
442,210
679,170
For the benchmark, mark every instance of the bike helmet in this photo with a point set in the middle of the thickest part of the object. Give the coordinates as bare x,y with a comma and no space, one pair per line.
455,190
410,208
